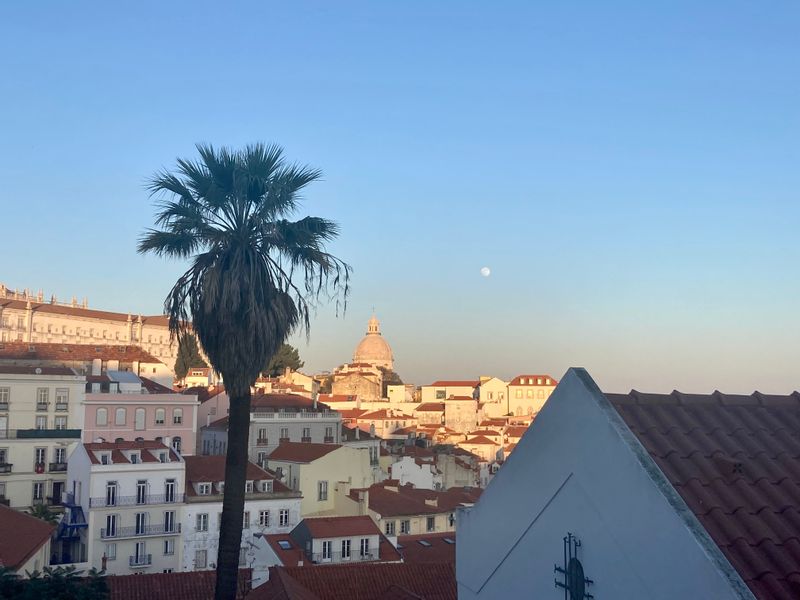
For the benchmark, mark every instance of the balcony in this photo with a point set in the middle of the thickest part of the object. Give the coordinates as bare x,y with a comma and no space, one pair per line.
147,530
262,442
38,434
57,467
62,406
305,440
104,501
328,439
3,406
5,468
338,557
282,440
143,560
42,406
5,501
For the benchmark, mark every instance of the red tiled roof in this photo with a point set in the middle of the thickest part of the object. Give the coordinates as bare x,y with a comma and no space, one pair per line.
518,380
73,352
276,401
212,468
485,432
451,383
301,452
481,440
327,398
328,527
219,423
204,393
21,370
430,407
60,309
460,398
516,431
117,457
364,581
411,501
735,461
437,549
289,557
21,536
194,585
351,413
155,388
349,433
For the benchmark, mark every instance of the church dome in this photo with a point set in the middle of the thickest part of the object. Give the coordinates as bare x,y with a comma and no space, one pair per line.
373,349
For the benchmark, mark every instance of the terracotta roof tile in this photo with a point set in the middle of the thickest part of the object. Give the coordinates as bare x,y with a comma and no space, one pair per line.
195,585
430,407
735,460
21,535
301,452
209,469
154,387
326,527
364,581
91,313
435,548
480,440
411,501
525,379
279,401
73,352
23,370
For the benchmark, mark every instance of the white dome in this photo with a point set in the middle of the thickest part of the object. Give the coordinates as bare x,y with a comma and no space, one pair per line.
373,349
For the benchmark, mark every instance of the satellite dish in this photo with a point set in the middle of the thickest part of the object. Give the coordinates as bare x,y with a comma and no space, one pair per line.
38,371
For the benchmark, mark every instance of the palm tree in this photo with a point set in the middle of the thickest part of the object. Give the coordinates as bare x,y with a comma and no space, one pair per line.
253,277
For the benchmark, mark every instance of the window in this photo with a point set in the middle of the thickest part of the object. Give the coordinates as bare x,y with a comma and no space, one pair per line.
345,549
141,491
262,435
169,490
105,458
262,458
518,394
120,417
204,489
177,416
138,420
405,526
169,521
327,550
441,394
61,422
322,490
39,455
431,523
242,556
5,397
364,547
263,518
161,416
3,456
111,493
246,520
162,457
62,398
452,519
529,393
200,559
169,547
540,394
42,398
141,523
390,527
307,433
38,490
248,487
329,432
283,517
111,526
111,552
101,417
41,422
266,486
202,522
60,455
284,433
135,458
176,444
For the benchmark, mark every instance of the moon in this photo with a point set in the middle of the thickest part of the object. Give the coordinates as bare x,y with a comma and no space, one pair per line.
486,271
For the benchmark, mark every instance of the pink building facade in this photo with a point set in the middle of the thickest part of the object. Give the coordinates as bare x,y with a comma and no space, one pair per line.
131,416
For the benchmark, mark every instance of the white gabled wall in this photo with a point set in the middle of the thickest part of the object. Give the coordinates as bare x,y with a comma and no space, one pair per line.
573,472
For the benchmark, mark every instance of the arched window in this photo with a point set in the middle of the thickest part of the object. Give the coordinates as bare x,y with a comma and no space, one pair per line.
177,416
102,417
530,411
120,417
176,444
139,419
541,394
519,411
118,440
161,416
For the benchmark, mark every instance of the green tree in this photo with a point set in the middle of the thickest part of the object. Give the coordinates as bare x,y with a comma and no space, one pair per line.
253,275
63,583
43,512
286,356
188,356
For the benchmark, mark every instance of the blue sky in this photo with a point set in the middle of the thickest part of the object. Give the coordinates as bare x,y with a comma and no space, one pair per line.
628,170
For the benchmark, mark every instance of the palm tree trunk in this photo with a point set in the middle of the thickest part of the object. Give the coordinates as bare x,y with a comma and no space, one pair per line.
230,536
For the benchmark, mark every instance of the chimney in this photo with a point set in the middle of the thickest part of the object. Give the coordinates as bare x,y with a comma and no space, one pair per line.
363,502
358,402
358,432
97,366
167,442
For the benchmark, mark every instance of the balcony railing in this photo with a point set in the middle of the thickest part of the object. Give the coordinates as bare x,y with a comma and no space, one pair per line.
36,434
104,501
3,406
143,560
133,531
306,440
5,468
262,442
57,467
338,557
62,406
328,439
42,406
303,414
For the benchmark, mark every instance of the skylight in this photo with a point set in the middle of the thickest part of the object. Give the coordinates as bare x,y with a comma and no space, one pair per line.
449,541
284,545
425,543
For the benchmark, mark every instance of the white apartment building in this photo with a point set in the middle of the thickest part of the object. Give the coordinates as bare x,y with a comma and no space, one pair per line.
444,389
270,508
40,423
274,419
30,318
130,495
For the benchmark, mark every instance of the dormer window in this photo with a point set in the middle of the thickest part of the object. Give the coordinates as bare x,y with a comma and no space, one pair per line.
162,457
204,489
221,487
105,459
248,486
266,486
135,459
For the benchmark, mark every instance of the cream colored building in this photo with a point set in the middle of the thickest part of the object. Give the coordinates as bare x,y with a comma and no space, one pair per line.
317,469
41,417
494,396
528,393
444,389
26,317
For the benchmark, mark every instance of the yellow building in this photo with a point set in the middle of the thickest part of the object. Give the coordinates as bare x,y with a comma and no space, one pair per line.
528,393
